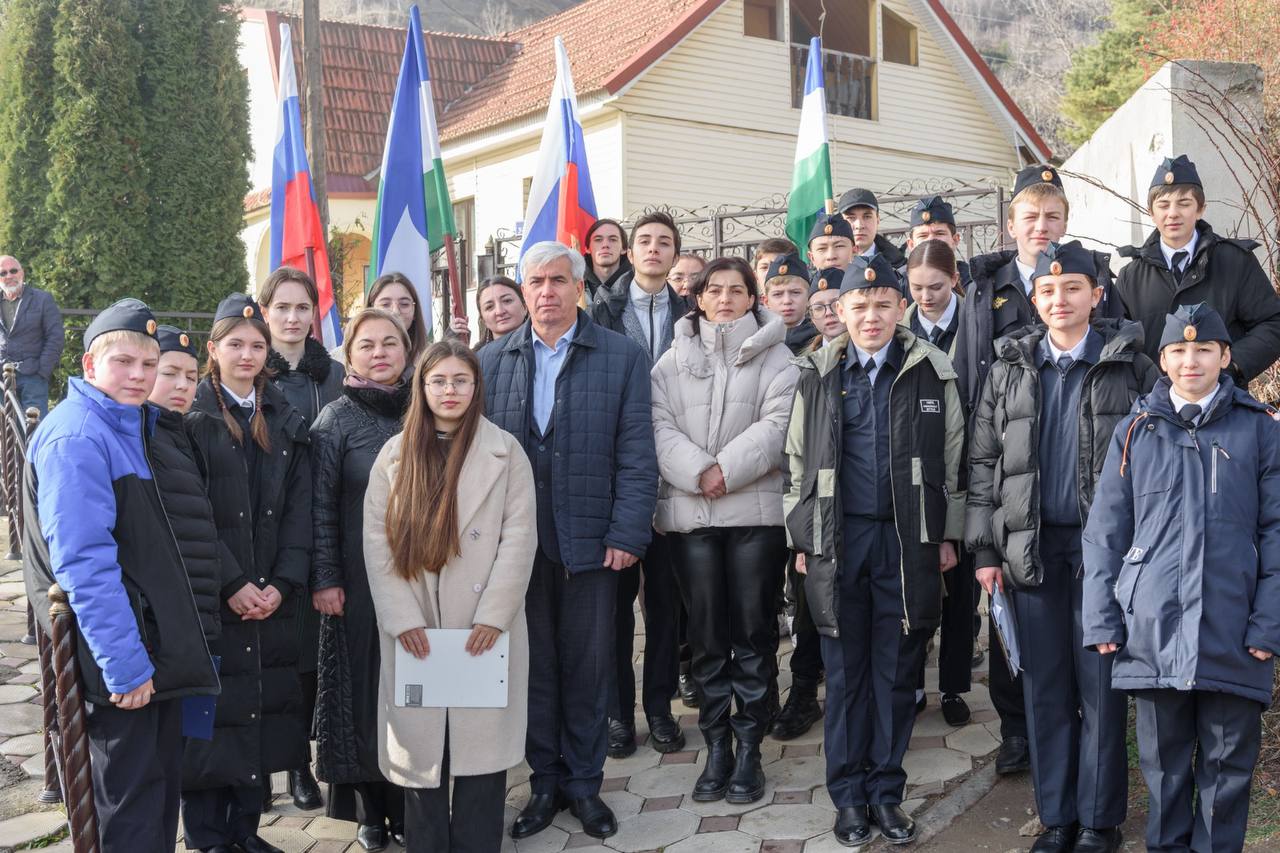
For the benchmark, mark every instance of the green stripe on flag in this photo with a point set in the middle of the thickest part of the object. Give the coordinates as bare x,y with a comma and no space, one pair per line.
439,207
810,189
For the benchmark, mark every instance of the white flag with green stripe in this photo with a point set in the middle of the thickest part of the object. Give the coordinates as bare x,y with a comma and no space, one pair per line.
811,177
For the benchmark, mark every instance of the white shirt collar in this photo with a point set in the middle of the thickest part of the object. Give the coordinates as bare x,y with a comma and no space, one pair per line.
1075,352
245,402
1190,249
877,358
1179,401
1025,273
871,252
944,321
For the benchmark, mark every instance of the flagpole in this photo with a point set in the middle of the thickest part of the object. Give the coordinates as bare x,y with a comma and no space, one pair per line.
316,330
455,286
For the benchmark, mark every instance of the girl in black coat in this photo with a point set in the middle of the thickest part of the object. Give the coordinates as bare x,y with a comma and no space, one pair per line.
302,368
254,450
345,440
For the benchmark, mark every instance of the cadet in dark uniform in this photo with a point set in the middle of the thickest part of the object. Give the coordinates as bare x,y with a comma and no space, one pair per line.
1039,439
830,243
934,219
861,209
874,532
1182,583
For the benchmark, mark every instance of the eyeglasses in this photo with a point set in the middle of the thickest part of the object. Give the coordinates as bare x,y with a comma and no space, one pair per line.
436,385
12,271
816,311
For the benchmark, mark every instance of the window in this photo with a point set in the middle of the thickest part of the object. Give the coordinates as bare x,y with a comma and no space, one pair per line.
899,39
847,64
760,19
848,30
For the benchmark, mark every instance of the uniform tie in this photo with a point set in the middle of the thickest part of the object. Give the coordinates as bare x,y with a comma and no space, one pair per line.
1064,363
1189,413
1178,259
935,335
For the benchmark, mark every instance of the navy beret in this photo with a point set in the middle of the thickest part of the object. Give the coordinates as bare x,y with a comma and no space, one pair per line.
864,273
1066,259
239,305
173,339
789,264
1196,322
1179,170
1037,174
831,225
127,315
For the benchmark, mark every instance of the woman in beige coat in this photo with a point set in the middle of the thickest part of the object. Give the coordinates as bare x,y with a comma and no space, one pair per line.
449,542
721,401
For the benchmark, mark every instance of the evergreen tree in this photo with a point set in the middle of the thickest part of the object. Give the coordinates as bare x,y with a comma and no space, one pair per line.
196,148
97,203
1104,75
26,113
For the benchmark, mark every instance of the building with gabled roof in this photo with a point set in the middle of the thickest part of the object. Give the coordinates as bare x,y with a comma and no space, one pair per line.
686,103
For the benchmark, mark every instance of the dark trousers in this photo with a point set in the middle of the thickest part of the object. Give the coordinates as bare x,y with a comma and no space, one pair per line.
215,816
472,825
871,671
135,758
1005,689
729,580
33,392
661,634
806,645
1075,722
373,803
571,670
1197,746
955,633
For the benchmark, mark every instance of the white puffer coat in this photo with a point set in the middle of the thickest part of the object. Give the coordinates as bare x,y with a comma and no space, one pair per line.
722,395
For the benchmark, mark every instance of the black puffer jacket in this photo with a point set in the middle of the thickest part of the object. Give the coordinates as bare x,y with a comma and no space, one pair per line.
593,283
1002,519
258,728
208,563
1224,275
345,441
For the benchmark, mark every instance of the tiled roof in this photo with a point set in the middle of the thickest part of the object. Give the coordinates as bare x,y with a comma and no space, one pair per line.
602,38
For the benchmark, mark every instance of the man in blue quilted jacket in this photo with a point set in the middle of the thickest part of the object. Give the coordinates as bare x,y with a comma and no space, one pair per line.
576,395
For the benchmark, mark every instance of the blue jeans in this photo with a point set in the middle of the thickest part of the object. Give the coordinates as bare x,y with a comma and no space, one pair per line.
33,390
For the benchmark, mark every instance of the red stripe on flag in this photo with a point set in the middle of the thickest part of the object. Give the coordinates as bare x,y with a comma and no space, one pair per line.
572,221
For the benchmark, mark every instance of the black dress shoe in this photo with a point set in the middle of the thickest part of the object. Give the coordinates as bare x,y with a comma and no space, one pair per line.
397,834
665,735
853,827
714,780
622,739
536,815
1055,839
955,710
372,837
688,691
257,844
921,704
801,711
597,818
895,825
746,785
220,848
978,657
1098,840
1014,755
306,793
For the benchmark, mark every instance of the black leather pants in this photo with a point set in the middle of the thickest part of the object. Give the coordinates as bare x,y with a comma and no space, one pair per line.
729,579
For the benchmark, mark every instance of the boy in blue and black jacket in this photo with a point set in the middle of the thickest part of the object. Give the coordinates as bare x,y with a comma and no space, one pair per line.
1182,582
98,529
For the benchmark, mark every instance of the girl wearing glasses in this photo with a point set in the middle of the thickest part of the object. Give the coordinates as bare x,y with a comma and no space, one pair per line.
345,440
449,540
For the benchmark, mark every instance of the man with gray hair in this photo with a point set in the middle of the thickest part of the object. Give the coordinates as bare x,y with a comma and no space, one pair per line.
31,334
576,395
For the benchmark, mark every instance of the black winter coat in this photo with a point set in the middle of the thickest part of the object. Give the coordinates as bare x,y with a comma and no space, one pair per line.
604,483
1002,519
1225,275
209,564
345,441
996,305
594,285
258,728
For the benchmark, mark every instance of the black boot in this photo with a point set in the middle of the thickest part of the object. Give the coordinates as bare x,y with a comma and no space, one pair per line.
714,781
774,704
306,793
747,783
688,691
801,711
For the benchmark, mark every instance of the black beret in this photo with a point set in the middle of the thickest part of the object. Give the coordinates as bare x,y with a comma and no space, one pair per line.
127,315
238,305
1066,259
1037,174
930,210
1179,170
831,225
865,272
827,279
1196,322
173,339
788,264
857,197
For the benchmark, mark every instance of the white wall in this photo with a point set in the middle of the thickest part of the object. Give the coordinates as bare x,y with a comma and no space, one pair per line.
1155,123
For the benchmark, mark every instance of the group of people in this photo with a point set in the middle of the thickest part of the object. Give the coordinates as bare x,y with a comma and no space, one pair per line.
859,436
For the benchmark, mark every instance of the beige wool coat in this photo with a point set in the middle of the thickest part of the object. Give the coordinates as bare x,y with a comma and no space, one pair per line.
722,395
485,585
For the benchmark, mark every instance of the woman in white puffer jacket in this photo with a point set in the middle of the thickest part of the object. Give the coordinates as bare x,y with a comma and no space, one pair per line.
721,402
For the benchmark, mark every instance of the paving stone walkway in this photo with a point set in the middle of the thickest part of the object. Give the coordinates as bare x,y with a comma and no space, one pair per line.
648,792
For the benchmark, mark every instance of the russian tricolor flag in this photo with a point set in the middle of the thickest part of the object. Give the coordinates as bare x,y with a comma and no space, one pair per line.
562,205
296,233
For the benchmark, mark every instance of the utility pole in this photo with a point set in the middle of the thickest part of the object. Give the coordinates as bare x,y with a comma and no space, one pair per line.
313,101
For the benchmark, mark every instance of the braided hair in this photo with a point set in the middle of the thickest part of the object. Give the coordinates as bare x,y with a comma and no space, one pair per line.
257,423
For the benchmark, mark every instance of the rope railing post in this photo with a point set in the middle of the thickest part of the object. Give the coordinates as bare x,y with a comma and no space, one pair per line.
72,727
9,435
52,792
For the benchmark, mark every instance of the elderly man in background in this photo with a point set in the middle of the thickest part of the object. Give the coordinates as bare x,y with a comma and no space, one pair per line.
31,334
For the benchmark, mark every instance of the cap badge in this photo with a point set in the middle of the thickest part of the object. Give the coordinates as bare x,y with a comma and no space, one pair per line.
1046,176
782,270
247,312
1168,177
184,340
1055,268
1189,332
826,229
926,216
822,284
870,274
151,327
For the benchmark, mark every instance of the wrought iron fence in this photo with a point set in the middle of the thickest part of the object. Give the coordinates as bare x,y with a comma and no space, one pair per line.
737,229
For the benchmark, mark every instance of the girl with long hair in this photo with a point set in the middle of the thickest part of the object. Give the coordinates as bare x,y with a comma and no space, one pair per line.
449,541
